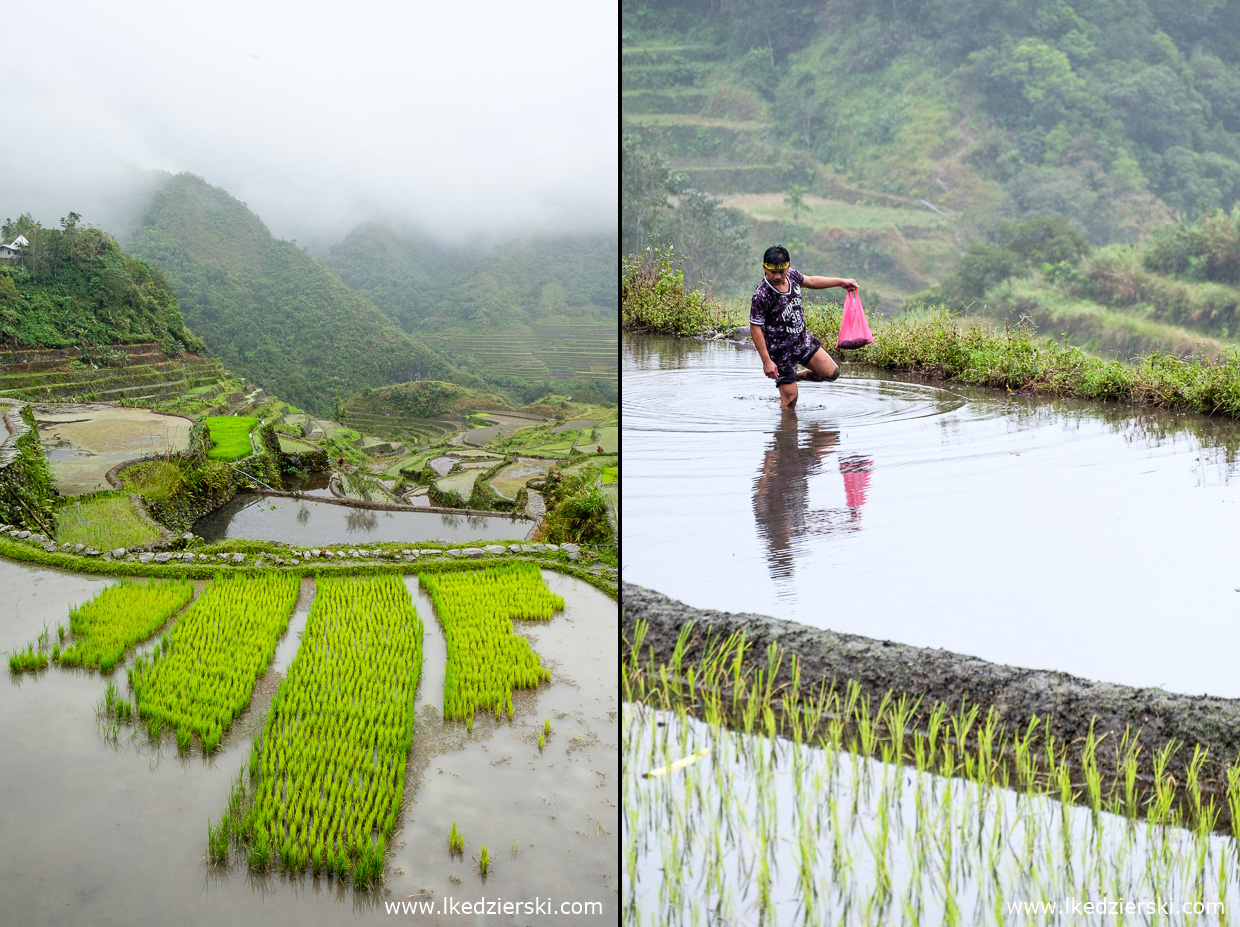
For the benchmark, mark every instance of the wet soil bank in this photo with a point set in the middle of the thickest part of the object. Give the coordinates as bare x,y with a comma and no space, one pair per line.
1019,695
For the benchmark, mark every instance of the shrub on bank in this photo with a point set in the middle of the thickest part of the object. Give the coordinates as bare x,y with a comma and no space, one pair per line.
941,343
653,297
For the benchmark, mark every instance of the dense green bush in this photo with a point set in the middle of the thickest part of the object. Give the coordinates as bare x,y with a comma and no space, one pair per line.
654,298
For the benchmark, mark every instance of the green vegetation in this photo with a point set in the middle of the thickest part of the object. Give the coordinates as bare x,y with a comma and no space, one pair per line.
218,649
27,491
941,343
486,659
328,773
270,311
655,298
895,806
532,316
230,436
29,660
1113,117
119,617
456,843
578,508
425,399
75,287
103,521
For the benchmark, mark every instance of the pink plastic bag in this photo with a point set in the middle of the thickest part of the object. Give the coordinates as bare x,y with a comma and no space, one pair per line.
854,329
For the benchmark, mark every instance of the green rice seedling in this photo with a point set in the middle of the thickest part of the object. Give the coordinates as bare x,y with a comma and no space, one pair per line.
119,617
217,840
484,862
456,843
486,659
230,435
216,652
60,633
331,758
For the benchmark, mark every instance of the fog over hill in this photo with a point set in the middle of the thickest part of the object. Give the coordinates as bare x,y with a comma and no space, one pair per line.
458,123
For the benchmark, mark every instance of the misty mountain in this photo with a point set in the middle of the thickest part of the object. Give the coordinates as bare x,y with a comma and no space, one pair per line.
536,314
269,310
529,280
401,274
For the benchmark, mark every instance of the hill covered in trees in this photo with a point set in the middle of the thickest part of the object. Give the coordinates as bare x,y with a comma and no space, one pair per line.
269,310
883,141
534,315
75,287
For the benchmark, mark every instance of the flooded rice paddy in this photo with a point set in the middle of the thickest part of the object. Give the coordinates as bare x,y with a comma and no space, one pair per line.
763,830
113,832
307,522
1093,539
82,442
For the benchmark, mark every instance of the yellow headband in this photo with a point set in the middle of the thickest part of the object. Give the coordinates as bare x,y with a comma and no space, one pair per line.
776,267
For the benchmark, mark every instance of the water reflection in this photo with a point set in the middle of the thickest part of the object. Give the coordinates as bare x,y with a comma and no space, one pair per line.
781,493
361,520
311,522
1083,527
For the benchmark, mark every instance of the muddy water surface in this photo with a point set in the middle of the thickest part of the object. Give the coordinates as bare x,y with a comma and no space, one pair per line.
84,441
1094,539
307,523
105,833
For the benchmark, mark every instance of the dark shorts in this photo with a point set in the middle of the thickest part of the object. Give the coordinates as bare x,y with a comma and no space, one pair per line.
787,361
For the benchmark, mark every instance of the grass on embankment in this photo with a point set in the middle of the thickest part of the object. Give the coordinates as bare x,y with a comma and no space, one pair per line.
103,521
945,344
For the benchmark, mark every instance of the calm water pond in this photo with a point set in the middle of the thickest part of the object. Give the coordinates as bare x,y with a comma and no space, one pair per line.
307,522
1095,539
104,833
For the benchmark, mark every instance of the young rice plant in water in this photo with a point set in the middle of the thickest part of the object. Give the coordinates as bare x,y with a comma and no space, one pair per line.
119,617
784,804
327,775
486,659
215,653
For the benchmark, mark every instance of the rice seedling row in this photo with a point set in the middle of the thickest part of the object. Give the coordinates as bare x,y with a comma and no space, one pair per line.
743,801
486,659
119,617
327,774
202,676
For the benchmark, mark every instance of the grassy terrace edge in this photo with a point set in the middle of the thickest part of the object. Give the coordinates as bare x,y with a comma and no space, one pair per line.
940,343
18,551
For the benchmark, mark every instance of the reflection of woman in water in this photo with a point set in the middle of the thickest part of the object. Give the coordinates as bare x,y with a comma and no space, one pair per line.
781,490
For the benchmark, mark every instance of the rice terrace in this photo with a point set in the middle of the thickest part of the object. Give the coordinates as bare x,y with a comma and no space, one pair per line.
393,711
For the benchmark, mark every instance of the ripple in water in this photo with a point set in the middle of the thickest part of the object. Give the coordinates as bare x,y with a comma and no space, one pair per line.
726,400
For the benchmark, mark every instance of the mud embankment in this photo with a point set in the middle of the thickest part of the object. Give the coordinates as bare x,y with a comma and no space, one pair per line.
1019,695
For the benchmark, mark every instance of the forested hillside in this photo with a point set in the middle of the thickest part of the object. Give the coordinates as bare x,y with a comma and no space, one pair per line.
884,140
74,287
269,310
534,315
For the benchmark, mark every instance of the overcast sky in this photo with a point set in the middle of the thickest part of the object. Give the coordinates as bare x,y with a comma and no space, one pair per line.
457,118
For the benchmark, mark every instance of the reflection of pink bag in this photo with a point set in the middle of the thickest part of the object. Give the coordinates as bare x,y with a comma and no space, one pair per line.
854,330
856,473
